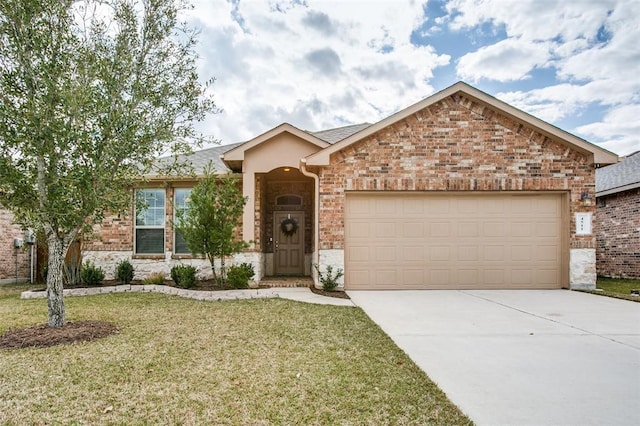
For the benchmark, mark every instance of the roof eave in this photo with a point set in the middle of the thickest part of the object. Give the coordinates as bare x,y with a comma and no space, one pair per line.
622,188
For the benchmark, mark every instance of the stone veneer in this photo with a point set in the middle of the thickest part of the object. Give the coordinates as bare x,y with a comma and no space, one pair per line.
458,144
618,231
9,254
143,267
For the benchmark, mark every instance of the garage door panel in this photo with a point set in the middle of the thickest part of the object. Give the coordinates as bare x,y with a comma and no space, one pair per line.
359,254
413,230
440,229
409,240
385,254
412,254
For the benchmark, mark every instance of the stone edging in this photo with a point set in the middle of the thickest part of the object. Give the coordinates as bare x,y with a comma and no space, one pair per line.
191,294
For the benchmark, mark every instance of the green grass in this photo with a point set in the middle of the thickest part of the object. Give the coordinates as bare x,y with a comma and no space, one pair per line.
180,361
618,287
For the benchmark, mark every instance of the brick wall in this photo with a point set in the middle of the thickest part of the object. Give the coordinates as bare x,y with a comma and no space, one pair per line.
8,254
618,232
454,145
115,232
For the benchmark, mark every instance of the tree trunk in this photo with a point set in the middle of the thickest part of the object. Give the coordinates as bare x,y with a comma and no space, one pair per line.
55,301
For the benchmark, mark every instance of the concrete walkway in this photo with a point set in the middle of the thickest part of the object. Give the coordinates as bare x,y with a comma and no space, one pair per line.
523,357
292,293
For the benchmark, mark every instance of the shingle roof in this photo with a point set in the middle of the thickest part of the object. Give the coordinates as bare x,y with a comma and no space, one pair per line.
620,176
339,133
200,159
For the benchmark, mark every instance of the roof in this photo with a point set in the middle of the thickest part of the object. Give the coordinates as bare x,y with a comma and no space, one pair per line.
335,135
619,177
201,158
598,155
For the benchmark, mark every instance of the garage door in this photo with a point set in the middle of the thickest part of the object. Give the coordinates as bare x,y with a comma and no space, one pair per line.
453,241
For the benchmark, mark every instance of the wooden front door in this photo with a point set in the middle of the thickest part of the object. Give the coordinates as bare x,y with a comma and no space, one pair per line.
289,243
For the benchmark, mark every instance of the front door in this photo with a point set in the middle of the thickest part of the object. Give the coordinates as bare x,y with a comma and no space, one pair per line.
288,228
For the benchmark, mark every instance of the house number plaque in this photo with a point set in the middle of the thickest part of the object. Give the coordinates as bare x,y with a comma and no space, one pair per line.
583,223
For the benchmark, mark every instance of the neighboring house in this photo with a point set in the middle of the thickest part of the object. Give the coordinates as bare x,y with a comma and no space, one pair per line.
459,191
14,261
618,218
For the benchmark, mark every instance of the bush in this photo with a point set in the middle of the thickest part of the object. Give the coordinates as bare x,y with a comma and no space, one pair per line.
184,276
124,271
238,276
90,274
329,280
157,278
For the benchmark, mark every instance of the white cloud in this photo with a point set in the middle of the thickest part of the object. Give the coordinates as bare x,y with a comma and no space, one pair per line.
592,47
618,131
317,66
506,60
320,64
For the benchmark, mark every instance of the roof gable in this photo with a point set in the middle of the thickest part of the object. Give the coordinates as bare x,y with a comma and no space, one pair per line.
235,156
599,155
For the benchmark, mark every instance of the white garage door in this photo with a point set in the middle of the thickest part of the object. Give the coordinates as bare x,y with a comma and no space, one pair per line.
453,241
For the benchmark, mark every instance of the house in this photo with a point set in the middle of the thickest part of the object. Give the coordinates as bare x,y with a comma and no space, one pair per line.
15,254
618,218
460,190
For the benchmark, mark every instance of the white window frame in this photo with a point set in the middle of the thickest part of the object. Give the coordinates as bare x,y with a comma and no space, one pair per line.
153,226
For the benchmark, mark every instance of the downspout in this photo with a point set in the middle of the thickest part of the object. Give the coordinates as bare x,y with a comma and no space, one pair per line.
316,227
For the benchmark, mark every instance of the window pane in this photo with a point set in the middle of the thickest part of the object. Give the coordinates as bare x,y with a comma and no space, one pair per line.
181,205
181,244
152,214
149,241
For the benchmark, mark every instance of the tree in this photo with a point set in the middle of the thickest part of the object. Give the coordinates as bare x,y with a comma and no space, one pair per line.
209,221
91,91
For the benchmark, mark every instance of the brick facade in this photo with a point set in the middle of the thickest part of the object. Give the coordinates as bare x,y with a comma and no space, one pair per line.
456,144
9,254
618,232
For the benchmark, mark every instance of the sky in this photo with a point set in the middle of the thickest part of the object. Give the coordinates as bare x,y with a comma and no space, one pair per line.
325,64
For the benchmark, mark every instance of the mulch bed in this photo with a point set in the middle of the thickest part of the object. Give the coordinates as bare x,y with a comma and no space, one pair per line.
41,336
336,294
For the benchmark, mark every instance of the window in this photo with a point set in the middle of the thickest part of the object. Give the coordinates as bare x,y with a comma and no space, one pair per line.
181,203
289,200
150,221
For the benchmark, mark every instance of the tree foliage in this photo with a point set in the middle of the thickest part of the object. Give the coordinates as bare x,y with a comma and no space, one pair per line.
91,91
209,222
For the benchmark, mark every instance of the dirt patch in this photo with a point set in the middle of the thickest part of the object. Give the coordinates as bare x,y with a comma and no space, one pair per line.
41,336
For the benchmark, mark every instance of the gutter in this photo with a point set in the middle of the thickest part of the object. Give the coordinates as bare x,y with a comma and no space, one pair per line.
316,227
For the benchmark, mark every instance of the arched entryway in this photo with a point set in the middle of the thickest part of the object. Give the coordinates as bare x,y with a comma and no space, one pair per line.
286,225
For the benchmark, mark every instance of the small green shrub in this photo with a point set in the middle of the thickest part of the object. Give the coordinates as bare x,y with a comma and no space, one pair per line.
124,271
238,276
157,278
90,274
329,280
184,276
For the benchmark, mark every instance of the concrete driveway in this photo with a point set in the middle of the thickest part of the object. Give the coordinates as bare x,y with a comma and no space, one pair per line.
520,357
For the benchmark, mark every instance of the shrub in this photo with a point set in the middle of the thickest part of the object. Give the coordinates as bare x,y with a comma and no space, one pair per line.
184,276
238,276
90,274
156,278
124,271
329,280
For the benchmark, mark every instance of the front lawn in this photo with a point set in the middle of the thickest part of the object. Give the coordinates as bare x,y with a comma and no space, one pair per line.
618,287
181,361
